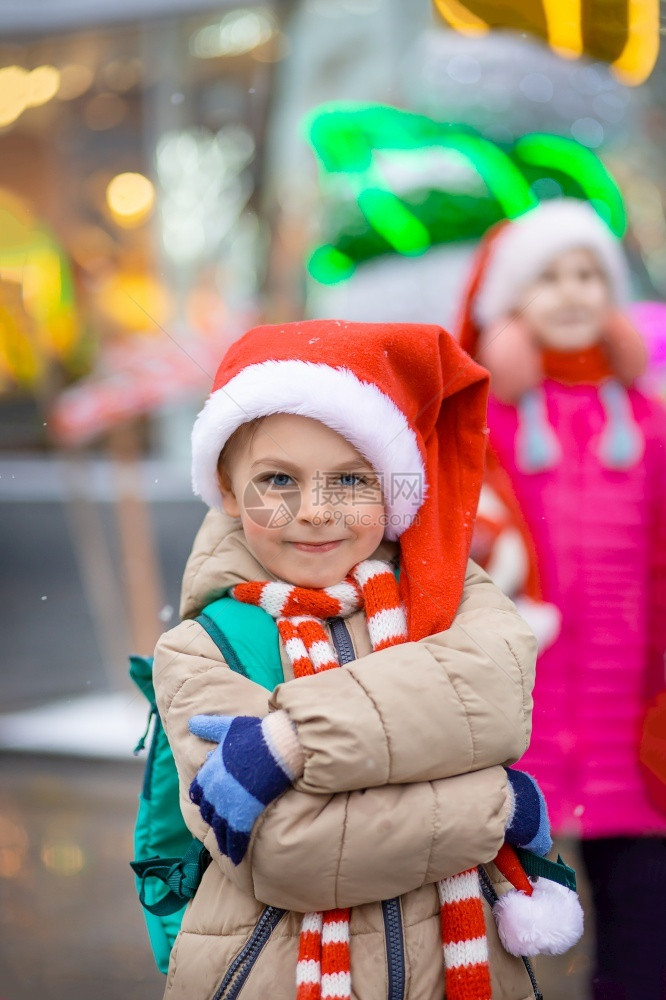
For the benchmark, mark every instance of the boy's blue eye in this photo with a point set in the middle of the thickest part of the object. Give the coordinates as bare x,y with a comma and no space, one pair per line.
278,479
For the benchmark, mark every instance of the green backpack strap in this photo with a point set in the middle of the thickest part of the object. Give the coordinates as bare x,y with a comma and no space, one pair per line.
247,637
557,871
181,875
167,854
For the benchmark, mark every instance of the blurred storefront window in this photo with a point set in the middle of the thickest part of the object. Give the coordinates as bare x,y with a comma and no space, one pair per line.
131,171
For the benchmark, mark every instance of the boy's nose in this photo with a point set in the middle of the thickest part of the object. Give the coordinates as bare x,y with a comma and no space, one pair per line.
314,510
315,514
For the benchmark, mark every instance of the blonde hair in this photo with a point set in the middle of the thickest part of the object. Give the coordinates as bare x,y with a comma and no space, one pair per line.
241,438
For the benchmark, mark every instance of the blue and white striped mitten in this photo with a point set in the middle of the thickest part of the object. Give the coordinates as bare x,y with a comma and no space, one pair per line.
528,824
255,761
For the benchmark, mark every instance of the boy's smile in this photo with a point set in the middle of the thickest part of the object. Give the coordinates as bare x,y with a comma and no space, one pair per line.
311,506
315,546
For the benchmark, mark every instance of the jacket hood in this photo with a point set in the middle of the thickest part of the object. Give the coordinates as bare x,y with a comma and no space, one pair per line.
220,559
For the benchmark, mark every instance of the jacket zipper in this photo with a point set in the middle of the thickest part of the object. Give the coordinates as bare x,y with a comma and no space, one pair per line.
241,967
395,948
391,909
341,640
491,898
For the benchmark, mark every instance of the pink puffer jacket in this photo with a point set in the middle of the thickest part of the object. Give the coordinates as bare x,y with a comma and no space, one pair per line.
600,537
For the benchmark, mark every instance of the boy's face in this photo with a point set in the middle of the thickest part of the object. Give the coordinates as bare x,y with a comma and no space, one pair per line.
310,505
568,304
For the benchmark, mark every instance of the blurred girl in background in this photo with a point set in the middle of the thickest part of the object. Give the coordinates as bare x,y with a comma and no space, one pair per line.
585,454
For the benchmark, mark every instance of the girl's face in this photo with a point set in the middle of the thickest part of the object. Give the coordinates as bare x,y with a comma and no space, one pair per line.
310,505
568,304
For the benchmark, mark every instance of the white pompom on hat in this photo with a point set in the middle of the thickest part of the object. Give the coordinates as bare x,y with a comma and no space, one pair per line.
547,922
537,916
522,250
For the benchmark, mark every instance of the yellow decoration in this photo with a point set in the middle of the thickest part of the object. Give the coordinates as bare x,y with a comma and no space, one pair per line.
43,297
130,198
38,315
19,359
565,31
638,57
628,40
460,18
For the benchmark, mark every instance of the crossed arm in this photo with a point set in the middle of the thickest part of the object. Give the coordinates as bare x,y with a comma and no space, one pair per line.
416,766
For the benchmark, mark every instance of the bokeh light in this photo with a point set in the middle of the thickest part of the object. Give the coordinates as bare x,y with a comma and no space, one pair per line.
62,856
75,79
21,89
13,847
130,198
42,85
134,300
238,32
13,93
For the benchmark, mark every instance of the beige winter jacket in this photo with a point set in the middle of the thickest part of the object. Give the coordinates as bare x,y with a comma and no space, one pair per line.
402,786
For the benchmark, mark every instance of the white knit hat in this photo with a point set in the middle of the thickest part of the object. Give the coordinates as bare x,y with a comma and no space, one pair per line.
524,249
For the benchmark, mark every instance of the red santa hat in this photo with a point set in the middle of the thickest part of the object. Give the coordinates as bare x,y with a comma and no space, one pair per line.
406,397
522,250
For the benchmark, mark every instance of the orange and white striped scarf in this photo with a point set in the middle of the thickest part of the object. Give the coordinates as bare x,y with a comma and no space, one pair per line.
323,970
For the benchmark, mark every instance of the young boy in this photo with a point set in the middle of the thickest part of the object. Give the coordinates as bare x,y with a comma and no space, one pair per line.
341,453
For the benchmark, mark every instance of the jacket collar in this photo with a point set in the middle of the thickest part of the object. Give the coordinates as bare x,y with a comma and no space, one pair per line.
220,558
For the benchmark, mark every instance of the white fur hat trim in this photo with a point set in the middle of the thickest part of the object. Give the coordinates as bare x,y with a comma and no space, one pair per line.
358,410
526,247
548,922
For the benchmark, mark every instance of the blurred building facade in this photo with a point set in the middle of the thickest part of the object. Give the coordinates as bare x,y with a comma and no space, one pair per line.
161,189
